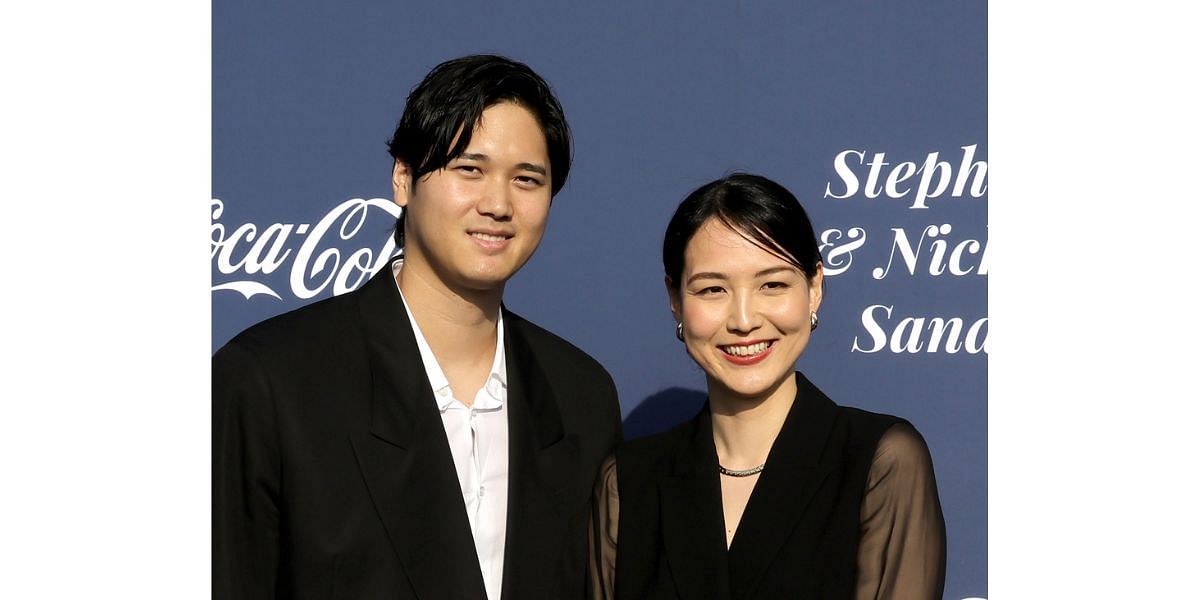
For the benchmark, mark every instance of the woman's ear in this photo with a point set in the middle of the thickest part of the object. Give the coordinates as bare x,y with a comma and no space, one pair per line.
816,288
673,296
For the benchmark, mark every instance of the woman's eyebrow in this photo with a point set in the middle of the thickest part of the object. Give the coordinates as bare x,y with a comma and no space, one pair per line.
774,270
762,273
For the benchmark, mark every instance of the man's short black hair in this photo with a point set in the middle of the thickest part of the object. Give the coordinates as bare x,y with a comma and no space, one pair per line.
453,96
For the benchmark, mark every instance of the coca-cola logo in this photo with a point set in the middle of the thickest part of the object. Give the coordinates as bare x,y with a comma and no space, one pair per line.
317,257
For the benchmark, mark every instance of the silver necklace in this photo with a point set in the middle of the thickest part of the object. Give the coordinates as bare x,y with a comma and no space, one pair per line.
742,473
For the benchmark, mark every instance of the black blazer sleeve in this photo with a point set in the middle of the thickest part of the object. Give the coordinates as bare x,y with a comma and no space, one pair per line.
246,478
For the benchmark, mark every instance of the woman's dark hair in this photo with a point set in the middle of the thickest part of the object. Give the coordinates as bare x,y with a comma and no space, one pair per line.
453,96
761,210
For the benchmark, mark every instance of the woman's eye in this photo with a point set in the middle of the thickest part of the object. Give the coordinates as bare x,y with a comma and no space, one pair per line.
712,289
468,169
775,285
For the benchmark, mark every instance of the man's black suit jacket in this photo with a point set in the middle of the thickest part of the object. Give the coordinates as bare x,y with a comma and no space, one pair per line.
332,476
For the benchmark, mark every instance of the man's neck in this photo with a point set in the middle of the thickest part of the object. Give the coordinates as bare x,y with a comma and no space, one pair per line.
439,306
458,325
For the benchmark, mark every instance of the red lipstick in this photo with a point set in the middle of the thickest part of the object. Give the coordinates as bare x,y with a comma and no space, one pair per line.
748,360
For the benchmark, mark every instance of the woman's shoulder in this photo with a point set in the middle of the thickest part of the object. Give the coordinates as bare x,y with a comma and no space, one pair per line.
653,445
860,423
655,453
893,443
902,449
887,437
877,423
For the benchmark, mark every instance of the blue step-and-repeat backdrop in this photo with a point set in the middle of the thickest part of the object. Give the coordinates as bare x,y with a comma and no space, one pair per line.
873,113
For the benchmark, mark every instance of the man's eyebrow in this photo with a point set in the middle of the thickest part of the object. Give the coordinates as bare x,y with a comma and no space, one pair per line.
706,275
539,169
535,168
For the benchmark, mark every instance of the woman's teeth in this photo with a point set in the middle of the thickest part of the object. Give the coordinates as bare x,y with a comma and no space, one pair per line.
750,350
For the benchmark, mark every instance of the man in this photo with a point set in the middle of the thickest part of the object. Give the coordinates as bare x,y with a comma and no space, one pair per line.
414,438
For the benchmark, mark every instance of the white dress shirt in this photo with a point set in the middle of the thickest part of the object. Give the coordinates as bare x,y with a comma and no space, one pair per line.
478,437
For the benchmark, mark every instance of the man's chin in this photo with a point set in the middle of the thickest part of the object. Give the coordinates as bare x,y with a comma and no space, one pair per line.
486,281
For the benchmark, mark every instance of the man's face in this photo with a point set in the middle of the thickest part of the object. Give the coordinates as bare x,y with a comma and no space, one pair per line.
475,222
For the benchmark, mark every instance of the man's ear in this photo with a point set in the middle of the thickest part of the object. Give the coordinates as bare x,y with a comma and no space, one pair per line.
401,183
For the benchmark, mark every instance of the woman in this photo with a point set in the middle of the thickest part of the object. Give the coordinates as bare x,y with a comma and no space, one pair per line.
772,491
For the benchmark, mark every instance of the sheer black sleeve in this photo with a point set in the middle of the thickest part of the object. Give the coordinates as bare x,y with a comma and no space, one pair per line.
602,534
902,551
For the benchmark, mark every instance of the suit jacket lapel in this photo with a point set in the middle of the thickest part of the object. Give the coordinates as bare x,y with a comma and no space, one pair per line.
796,468
543,462
692,519
406,459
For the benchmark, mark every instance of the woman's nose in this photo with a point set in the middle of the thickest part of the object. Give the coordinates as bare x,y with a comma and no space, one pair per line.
744,315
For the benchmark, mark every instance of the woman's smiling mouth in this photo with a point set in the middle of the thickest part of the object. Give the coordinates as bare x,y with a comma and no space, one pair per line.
746,353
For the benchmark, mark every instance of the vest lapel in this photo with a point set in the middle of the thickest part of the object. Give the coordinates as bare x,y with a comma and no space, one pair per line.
796,468
406,460
692,519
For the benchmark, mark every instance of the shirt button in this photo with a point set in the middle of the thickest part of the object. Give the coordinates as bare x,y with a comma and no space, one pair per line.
481,491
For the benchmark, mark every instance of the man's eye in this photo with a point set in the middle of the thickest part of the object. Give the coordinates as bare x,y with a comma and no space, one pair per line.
529,181
468,169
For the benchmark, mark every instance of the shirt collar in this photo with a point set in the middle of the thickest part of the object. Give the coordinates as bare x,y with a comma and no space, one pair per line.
493,393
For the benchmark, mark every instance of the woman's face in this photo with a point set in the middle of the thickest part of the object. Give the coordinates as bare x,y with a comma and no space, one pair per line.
745,312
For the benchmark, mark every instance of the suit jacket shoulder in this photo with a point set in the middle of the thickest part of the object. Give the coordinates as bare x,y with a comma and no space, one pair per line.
300,331
640,462
555,353
582,387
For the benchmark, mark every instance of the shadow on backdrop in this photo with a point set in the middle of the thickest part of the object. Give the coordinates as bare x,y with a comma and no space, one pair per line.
662,411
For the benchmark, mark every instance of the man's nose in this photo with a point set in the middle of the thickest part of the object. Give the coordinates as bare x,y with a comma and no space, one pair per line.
496,200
